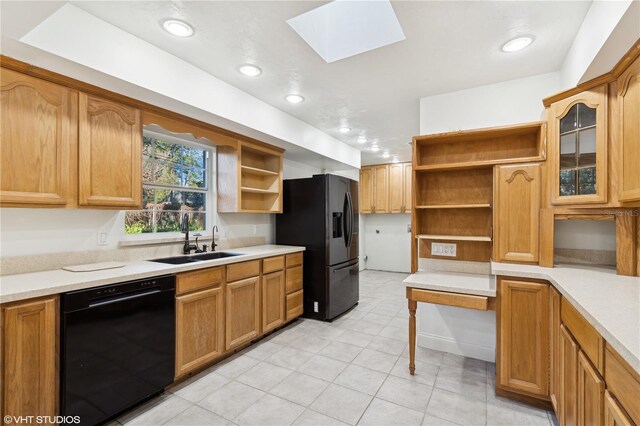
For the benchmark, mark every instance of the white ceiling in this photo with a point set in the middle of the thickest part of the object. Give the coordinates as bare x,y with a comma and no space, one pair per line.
450,45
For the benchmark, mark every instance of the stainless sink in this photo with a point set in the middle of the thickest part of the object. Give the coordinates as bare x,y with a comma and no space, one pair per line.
214,255
181,260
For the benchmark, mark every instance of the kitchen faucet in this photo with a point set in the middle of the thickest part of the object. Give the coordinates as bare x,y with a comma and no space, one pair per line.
185,230
213,238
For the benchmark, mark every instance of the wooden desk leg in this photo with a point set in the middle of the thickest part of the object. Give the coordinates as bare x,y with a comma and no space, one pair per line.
412,335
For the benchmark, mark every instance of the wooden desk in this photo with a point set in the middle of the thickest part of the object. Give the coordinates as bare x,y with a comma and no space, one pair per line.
460,300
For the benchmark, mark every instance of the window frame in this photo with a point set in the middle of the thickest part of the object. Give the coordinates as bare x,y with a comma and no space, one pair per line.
209,192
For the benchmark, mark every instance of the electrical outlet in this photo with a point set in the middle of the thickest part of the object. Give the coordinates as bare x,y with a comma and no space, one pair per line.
409,228
103,238
315,306
443,249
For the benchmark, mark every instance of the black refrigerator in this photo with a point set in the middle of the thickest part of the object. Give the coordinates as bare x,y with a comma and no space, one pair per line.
321,214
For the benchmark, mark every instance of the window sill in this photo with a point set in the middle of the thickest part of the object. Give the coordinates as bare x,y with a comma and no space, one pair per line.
153,240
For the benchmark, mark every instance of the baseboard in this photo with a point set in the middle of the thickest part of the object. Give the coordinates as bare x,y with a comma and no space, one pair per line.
444,344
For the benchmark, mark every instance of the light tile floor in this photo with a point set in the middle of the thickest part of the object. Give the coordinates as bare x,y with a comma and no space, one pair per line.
352,371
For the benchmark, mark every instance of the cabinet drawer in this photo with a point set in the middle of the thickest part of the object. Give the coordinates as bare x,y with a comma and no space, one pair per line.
451,299
294,305
272,264
196,280
294,279
623,382
587,337
238,271
294,259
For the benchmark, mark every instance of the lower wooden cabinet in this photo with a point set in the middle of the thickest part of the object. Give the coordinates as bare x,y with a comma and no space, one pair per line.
614,414
30,354
554,346
294,305
567,377
242,312
199,329
523,337
273,301
590,393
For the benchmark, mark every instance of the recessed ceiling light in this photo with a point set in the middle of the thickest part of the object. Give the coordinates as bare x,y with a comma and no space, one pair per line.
517,44
385,154
375,148
178,28
362,139
249,70
294,99
344,130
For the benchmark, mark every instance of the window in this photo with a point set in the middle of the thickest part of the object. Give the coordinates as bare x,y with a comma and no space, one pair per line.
175,177
578,151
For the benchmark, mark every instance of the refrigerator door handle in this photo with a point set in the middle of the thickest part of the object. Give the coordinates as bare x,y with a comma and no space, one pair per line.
351,219
346,218
355,265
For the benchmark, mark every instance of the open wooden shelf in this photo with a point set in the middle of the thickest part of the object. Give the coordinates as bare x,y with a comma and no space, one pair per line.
249,179
257,171
454,206
480,148
453,237
258,190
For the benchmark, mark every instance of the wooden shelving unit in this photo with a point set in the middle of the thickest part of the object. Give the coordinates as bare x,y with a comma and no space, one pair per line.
249,179
453,186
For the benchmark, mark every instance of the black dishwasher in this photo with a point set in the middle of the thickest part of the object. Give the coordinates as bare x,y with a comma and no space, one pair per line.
117,347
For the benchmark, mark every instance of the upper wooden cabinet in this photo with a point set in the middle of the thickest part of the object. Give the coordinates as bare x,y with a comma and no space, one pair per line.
109,154
386,188
400,188
249,178
38,134
629,133
578,148
30,354
523,337
516,213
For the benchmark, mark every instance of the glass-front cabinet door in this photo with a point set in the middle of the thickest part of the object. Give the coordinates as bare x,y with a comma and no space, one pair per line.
578,152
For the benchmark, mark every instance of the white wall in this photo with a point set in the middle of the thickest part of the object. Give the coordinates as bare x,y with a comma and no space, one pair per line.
463,331
387,244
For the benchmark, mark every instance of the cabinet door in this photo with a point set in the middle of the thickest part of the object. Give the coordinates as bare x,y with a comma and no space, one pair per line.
30,353
578,149
629,132
590,393
567,376
554,346
408,183
110,154
366,190
273,312
516,212
381,189
242,311
523,337
37,131
614,415
199,329
396,188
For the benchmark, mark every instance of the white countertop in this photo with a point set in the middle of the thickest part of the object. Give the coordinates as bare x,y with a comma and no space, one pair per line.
37,284
453,282
610,302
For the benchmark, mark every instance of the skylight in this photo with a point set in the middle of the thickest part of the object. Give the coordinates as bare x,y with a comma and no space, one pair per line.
345,28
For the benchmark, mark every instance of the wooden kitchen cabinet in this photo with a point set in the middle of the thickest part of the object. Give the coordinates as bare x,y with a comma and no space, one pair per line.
590,393
199,329
242,312
366,190
614,414
516,213
567,378
273,301
523,337
109,153
578,148
554,346
400,188
38,136
30,358
629,132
